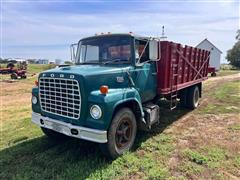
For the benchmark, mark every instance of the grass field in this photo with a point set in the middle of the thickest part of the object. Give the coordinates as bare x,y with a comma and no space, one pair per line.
200,144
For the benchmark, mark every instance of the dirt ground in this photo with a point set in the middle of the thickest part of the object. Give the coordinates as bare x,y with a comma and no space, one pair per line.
205,145
205,130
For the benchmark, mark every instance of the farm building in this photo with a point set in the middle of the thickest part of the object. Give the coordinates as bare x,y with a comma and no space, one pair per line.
215,55
42,61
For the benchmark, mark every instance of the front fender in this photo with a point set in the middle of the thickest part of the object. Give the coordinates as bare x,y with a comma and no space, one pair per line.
108,103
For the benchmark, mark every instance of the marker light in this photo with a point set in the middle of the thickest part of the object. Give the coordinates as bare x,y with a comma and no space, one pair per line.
36,83
104,89
95,112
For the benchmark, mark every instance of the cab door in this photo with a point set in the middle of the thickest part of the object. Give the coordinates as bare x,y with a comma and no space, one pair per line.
145,71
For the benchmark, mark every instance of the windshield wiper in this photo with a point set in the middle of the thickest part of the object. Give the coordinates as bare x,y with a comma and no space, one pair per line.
87,63
114,60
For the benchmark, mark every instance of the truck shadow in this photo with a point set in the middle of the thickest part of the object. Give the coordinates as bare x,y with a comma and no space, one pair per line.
167,117
41,158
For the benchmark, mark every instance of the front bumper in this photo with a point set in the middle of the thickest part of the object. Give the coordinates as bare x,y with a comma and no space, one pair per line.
89,134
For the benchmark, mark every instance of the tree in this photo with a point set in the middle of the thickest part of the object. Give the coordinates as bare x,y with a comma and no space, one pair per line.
233,55
68,62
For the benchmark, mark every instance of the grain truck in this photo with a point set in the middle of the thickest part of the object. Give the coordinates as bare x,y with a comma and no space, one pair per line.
111,90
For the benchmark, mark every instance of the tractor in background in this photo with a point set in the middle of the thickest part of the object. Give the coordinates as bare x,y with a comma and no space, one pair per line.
18,72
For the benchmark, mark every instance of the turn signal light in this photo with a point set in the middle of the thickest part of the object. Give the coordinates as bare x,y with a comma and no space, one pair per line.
36,83
104,89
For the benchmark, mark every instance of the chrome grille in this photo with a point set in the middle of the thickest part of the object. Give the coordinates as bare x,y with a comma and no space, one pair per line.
60,96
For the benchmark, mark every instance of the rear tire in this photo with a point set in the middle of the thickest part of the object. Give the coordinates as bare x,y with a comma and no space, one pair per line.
53,134
14,76
193,97
121,134
23,77
183,98
213,74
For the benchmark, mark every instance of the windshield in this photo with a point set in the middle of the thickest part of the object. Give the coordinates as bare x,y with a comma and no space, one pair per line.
106,49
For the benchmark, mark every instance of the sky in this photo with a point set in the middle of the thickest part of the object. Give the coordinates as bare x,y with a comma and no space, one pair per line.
45,29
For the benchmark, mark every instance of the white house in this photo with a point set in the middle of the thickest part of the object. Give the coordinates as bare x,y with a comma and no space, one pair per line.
215,55
42,61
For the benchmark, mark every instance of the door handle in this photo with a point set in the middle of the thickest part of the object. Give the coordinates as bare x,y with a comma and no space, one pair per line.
154,74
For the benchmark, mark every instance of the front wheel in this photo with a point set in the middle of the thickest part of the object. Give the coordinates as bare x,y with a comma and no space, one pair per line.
121,134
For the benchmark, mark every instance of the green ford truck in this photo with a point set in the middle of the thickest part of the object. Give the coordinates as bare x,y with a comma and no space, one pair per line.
110,91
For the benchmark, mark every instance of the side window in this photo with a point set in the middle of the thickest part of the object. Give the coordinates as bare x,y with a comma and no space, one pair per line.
141,51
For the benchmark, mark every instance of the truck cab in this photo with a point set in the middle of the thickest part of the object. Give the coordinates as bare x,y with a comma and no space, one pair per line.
104,97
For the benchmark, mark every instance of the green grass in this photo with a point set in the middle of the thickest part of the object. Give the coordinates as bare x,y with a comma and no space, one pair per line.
207,160
191,168
210,159
36,68
44,159
25,153
225,99
227,72
196,157
228,67
235,127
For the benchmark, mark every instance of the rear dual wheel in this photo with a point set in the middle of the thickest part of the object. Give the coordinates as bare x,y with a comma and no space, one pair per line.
121,134
190,97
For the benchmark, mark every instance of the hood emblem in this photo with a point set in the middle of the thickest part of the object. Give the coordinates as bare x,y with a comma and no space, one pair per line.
120,79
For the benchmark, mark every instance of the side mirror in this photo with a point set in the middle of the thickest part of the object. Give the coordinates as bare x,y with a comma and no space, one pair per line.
73,51
153,50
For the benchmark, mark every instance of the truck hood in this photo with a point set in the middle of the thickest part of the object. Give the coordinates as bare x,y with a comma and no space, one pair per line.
89,70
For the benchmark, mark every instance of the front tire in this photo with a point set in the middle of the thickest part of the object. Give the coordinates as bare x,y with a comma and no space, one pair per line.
121,134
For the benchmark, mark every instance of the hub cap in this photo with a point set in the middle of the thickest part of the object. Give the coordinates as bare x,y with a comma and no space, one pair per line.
124,133
196,98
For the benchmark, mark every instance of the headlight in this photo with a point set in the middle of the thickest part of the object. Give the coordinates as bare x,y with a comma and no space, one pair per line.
95,111
34,100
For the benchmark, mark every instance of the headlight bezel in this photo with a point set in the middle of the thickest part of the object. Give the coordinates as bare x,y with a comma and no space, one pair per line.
94,108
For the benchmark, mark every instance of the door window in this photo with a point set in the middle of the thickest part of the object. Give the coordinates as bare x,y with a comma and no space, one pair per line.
141,51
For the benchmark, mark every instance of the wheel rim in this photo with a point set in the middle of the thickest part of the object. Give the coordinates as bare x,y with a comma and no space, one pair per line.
196,97
124,133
